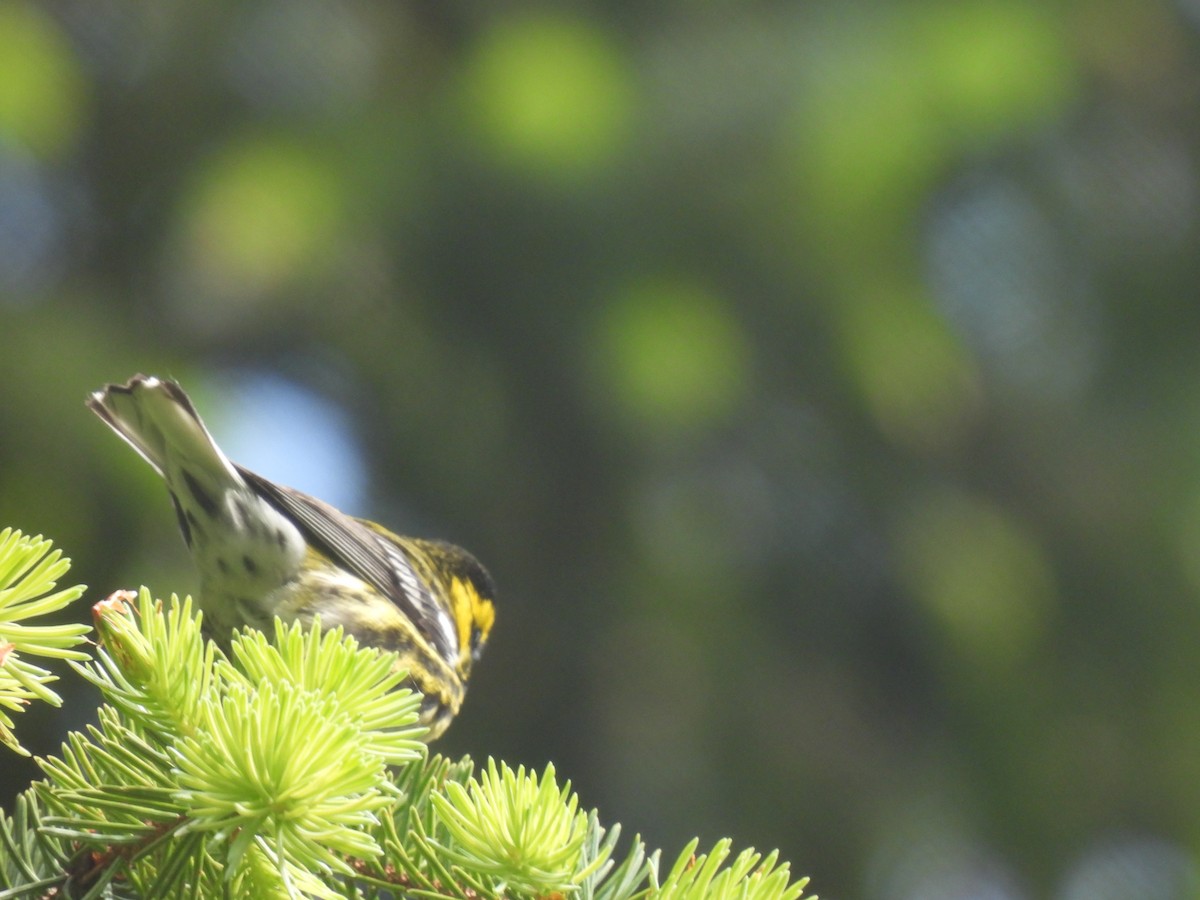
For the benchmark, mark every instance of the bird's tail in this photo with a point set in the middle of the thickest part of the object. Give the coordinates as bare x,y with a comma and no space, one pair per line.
156,418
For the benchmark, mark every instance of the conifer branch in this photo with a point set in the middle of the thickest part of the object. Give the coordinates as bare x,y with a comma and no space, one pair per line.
293,767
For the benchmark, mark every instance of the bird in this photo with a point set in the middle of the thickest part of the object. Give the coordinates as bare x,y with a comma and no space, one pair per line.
263,550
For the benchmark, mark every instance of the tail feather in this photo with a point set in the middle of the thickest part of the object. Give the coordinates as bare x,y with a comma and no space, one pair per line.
156,418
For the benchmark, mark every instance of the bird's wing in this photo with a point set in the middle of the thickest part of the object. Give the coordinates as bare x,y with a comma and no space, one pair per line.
349,543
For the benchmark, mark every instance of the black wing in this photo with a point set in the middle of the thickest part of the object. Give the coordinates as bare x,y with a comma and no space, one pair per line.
352,545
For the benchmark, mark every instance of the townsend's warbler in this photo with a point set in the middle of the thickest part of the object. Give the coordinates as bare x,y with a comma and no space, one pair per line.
264,550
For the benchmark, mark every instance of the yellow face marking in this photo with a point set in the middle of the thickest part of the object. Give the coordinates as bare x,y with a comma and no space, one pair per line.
470,611
483,612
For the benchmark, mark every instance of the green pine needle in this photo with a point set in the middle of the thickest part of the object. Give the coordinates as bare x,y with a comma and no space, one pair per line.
526,834
151,664
29,571
702,878
281,769
364,681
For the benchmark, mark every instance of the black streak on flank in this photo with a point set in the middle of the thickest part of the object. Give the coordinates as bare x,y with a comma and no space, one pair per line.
183,522
250,565
430,706
203,497
223,566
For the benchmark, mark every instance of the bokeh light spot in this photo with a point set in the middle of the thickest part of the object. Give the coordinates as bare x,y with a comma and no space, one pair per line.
993,66
1134,866
978,574
671,354
263,213
913,373
886,104
861,144
31,229
265,417
1001,280
41,87
550,94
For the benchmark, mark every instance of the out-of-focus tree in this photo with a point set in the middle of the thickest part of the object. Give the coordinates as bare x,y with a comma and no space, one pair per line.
819,381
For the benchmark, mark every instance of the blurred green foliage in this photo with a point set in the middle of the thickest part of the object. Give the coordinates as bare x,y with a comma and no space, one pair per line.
548,95
819,381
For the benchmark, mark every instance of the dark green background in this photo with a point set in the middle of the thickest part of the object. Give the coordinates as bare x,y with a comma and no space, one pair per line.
819,381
